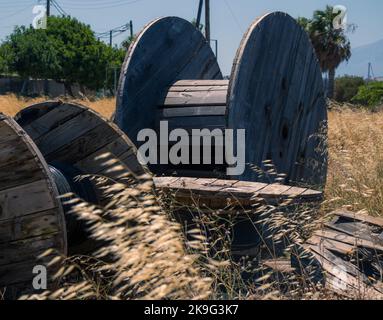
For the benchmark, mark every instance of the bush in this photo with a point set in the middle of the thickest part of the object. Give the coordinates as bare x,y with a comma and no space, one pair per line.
347,87
370,94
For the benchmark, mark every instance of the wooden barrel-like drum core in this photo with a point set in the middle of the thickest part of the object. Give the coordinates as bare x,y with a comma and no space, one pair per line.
275,93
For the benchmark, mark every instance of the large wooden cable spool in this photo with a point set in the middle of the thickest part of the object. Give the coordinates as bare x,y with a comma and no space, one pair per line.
275,93
76,136
73,138
42,154
31,216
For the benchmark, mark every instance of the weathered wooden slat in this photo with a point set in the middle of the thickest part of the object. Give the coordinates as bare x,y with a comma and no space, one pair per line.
342,237
75,136
26,199
359,217
207,98
28,249
203,88
197,83
31,217
222,190
27,226
193,111
52,119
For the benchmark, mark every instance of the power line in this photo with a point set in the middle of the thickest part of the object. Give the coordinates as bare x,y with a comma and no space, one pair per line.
99,6
233,16
116,32
58,8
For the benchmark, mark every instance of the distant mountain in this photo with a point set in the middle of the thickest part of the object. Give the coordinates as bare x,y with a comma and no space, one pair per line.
361,56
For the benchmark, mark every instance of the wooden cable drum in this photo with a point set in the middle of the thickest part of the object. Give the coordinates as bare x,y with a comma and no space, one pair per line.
41,155
73,139
275,93
74,135
31,216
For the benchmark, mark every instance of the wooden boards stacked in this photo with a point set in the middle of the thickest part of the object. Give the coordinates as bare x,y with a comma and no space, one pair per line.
275,93
31,216
349,251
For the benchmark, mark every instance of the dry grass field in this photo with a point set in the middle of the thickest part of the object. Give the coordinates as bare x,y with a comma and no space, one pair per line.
355,175
151,261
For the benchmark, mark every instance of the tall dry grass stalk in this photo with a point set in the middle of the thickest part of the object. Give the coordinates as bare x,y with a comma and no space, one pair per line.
145,255
355,175
12,104
142,255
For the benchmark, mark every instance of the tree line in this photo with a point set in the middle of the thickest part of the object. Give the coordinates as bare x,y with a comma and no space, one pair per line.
67,51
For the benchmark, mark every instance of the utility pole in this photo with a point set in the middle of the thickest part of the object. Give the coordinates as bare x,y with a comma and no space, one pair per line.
207,20
199,14
48,8
111,38
131,29
368,72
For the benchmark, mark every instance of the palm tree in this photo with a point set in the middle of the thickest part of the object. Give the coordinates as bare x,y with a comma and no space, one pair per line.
332,46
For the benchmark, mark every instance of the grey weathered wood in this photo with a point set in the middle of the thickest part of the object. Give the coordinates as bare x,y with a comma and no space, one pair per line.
276,94
166,50
218,192
76,135
349,252
31,216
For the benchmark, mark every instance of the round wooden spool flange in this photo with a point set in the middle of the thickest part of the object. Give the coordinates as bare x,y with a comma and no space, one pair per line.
74,135
31,216
275,93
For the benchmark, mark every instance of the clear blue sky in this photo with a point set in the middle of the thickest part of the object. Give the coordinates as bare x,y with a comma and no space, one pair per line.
230,18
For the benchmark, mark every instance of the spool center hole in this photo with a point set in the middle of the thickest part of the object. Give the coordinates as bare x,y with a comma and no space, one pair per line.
285,132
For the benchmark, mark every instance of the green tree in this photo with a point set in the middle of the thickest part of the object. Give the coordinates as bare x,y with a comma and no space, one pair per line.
332,45
127,42
347,87
67,51
6,58
370,94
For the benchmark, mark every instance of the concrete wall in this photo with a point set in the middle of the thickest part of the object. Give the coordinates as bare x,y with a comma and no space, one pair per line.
49,88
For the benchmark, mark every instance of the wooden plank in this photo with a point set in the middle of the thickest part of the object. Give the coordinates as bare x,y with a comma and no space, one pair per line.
221,191
273,190
20,173
52,119
28,226
67,132
359,217
88,143
14,151
197,88
195,98
203,83
193,111
342,237
26,199
357,230
28,249
332,245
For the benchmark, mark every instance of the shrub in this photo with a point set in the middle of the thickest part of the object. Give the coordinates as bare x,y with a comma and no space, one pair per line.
346,88
370,94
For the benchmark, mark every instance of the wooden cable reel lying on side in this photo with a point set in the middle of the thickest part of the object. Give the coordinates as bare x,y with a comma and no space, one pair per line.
275,93
40,156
